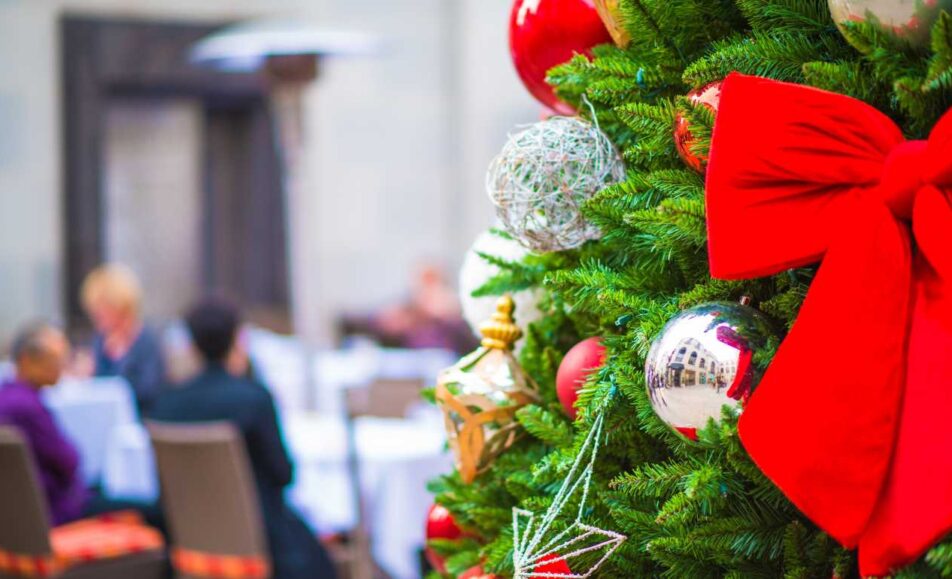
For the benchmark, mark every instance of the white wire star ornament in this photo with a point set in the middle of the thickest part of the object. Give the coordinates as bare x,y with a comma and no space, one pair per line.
535,546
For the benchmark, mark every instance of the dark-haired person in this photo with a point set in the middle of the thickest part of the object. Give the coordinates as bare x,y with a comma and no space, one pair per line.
217,395
40,352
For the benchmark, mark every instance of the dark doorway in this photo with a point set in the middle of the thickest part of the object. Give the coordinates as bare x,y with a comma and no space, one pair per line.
241,248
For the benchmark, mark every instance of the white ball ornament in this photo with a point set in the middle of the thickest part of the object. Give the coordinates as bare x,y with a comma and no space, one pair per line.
542,177
476,271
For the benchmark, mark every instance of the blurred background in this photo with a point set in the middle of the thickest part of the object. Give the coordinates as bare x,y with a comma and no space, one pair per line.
320,164
309,193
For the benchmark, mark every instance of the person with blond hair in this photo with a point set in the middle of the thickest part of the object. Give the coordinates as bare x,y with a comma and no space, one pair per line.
124,346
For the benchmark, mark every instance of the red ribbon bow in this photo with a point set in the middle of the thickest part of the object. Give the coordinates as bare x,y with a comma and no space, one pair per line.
853,418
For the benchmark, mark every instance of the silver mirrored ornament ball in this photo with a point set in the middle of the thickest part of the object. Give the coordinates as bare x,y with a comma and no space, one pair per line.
542,177
910,20
703,360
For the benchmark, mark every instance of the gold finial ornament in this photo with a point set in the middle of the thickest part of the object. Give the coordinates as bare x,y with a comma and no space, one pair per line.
480,394
500,331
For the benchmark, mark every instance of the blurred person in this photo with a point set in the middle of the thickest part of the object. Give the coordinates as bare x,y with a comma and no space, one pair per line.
433,295
124,345
218,394
40,352
430,318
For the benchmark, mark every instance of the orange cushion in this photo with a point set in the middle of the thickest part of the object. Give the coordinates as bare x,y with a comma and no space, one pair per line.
19,565
217,566
99,539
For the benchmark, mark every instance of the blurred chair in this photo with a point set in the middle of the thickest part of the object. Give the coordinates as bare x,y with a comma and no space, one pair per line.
90,549
210,503
379,399
384,398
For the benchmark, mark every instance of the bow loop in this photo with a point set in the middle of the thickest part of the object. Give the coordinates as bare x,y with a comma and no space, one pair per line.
794,164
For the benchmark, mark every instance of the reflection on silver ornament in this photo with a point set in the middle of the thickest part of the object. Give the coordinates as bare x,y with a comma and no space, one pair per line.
703,360
910,20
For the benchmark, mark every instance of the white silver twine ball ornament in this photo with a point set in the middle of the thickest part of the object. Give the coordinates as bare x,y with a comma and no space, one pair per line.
542,177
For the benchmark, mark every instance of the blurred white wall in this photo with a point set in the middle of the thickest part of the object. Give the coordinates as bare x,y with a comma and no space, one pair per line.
396,145
153,157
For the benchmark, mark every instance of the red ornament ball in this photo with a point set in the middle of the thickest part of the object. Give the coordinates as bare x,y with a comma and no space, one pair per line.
584,358
546,33
476,573
684,139
440,525
553,564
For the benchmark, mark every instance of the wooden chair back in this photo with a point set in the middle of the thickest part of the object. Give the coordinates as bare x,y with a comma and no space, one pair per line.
208,491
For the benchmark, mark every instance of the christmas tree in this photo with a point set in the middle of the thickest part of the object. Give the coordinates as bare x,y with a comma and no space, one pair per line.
692,506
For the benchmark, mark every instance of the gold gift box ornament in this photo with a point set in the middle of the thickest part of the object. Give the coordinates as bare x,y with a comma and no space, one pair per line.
481,393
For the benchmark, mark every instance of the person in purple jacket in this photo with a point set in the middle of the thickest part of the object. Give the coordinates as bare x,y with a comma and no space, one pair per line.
40,352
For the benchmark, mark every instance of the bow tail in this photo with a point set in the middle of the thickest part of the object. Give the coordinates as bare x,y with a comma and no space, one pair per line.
829,450
916,507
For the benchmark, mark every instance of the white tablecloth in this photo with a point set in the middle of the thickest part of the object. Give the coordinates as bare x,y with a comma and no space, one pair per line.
305,379
90,411
7,370
336,370
397,458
